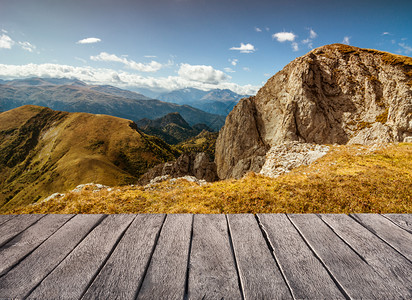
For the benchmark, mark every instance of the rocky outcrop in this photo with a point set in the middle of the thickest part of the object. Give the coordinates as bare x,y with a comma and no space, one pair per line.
334,94
283,158
192,164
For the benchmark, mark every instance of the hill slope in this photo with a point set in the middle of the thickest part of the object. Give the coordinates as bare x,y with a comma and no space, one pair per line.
44,151
334,94
349,179
171,128
76,96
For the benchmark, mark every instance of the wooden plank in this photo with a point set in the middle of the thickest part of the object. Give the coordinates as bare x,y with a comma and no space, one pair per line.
352,273
395,236
305,274
212,271
24,243
402,220
166,274
123,273
258,271
20,280
66,281
16,225
394,268
5,218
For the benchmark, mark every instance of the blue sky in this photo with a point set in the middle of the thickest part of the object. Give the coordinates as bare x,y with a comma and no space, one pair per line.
169,44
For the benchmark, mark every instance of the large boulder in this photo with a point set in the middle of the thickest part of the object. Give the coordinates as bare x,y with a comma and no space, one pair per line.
334,94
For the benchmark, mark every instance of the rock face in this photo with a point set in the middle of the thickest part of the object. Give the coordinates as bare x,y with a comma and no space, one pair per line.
192,164
334,94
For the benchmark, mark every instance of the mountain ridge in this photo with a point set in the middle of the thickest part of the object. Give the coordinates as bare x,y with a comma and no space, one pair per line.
216,101
96,99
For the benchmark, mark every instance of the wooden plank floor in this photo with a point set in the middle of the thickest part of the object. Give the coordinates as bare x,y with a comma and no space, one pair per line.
264,256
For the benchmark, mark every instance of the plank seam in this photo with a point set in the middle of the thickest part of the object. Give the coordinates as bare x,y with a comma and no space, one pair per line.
139,287
34,249
239,278
405,229
8,240
384,241
13,216
338,285
346,243
99,269
272,252
186,293
91,229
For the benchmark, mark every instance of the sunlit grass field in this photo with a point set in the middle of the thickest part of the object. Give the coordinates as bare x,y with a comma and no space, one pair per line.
349,179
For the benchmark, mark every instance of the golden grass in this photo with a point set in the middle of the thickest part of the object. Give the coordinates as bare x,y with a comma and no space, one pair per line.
48,155
349,179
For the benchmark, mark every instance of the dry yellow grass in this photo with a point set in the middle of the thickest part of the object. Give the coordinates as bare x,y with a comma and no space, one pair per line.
349,179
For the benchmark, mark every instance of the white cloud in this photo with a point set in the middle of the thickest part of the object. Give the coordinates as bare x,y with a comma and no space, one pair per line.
27,46
244,48
229,70
312,34
295,46
257,29
150,56
246,69
91,40
205,74
385,33
153,66
284,36
6,42
407,49
346,40
4,31
234,61
122,79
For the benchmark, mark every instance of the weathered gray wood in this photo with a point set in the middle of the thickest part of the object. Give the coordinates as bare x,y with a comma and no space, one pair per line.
398,238
5,218
402,220
258,271
20,280
16,225
212,272
166,275
306,276
353,274
395,269
74,274
22,244
123,273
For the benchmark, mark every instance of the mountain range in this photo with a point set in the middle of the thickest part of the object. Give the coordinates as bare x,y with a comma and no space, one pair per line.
76,96
335,95
215,101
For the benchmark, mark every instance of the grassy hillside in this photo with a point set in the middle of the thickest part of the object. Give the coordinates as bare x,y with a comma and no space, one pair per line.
44,151
171,128
349,179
